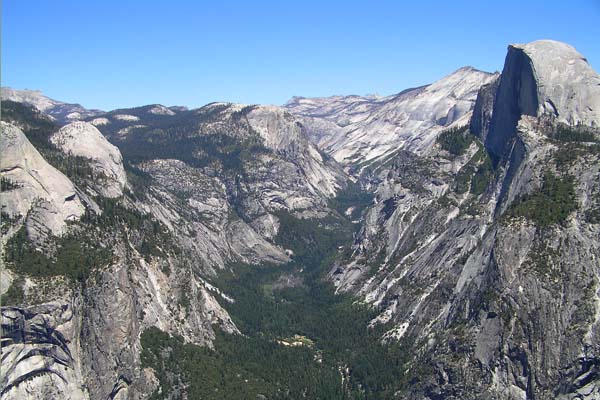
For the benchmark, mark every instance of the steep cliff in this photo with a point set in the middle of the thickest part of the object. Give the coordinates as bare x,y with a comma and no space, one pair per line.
482,256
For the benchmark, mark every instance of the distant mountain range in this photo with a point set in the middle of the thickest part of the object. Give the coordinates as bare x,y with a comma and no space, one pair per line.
57,110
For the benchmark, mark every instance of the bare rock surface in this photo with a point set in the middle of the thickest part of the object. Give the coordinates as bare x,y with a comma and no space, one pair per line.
39,194
84,140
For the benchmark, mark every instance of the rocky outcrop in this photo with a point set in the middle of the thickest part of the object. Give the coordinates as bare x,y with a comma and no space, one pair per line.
516,96
482,112
161,110
36,194
283,171
230,207
86,345
82,139
196,209
129,297
543,78
284,133
41,354
566,85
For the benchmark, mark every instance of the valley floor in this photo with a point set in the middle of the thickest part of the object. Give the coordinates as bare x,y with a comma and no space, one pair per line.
300,339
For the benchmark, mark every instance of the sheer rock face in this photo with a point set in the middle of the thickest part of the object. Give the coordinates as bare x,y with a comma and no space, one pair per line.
371,128
84,140
482,113
543,78
282,132
38,194
496,306
41,354
567,86
129,297
85,345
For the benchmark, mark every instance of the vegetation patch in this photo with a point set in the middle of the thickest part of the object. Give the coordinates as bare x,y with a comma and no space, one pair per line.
578,133
76,254
484,175
200,138
551,204
240,368
352,198
71,255
36,126
7,185
476,175
77,168
456,140
326,334
446,201
567,154
7,221
139,180
542,259
313,241
15,295
151,237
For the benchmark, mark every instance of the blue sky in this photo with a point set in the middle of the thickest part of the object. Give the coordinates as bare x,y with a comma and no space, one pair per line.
110,54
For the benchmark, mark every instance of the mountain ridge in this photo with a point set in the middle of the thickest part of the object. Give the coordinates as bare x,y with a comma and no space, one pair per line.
57,110
399,120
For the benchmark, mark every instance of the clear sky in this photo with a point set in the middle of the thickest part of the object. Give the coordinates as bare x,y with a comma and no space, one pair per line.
109,54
